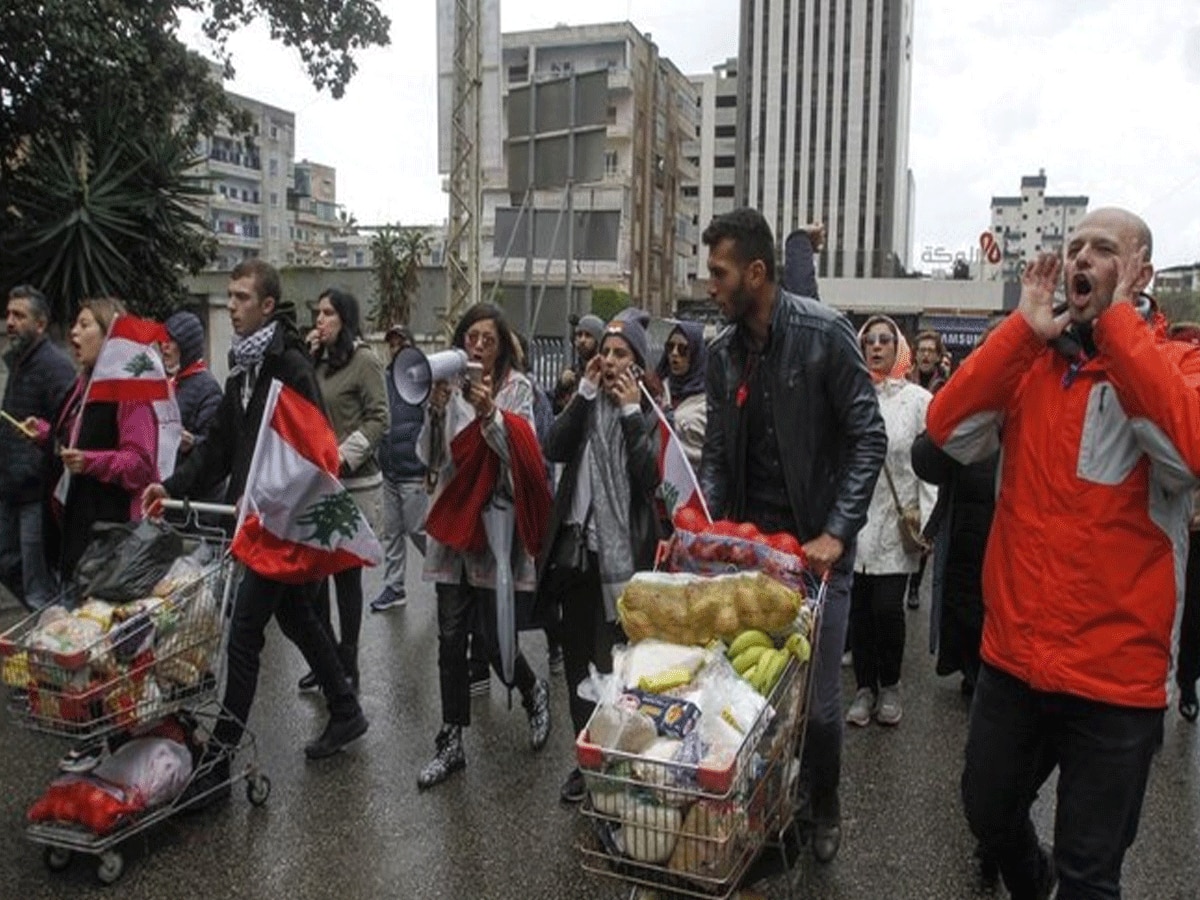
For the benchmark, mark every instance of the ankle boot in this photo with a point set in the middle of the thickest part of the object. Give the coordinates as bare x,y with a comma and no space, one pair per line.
348,654
449,758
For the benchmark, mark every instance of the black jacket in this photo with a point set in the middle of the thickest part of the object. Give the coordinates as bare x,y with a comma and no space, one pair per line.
38,382
565,443
199,398
230,445
830,433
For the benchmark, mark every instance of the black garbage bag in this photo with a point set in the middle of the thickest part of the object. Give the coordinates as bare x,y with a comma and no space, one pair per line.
125,562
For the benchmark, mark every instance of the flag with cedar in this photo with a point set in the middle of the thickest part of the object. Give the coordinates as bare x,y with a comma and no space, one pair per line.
298,523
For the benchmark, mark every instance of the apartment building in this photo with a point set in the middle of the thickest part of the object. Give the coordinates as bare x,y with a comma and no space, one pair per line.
1030,223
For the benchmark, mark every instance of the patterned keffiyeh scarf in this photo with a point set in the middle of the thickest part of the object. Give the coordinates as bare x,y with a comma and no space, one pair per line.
247,353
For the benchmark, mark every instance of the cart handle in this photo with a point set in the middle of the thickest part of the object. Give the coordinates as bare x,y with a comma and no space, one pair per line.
188,507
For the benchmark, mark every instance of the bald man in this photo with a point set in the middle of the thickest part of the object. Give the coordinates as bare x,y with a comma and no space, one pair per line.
1084,564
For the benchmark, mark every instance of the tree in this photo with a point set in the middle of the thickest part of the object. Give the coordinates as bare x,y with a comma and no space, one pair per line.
397,253
607,302
101,104
109,212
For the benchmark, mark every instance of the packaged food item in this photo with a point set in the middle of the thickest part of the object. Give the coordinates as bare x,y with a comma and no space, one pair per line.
649,829
672,717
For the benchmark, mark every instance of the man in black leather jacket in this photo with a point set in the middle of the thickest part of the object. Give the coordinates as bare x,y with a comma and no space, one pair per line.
794,442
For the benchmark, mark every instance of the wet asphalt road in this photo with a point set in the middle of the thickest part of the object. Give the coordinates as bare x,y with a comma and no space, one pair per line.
356,827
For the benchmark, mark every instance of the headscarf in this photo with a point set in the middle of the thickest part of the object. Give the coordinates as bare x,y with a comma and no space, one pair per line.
692,382
904,363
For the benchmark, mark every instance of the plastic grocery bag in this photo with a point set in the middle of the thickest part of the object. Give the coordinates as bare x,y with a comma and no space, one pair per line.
125,562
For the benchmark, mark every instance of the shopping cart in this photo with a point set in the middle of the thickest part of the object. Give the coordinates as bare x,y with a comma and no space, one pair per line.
159,659
669,828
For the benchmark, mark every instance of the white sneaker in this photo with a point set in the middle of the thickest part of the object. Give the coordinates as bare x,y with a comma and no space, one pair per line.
860,710
890,712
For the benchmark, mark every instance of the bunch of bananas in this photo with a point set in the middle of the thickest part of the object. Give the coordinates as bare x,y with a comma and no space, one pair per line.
756,658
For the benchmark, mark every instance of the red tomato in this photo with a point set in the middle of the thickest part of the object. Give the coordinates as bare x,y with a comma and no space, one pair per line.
723,527
785,543
746,530
690,519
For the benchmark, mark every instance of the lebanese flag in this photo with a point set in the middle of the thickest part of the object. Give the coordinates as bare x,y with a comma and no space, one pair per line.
298,524
129,365
678,485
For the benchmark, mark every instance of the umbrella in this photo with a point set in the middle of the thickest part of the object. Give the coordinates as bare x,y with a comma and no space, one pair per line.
499,522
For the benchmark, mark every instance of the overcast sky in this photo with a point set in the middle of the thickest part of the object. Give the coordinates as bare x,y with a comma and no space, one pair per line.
1105,96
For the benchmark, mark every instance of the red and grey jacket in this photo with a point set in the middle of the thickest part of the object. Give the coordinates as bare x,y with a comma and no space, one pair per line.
1086,557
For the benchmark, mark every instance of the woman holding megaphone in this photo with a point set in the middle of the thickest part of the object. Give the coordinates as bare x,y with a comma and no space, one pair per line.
485,525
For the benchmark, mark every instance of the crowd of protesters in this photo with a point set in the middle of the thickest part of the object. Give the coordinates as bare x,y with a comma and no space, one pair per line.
1071,428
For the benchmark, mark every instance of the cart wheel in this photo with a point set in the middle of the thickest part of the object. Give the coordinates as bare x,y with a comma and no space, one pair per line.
258,789
112,864
56,858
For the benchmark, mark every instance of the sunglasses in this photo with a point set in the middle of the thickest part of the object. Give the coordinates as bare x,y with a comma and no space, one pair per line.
882,338
679,347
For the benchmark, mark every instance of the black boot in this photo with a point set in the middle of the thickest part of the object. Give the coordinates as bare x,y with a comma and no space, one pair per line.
339,732
348,654
537,706
449,758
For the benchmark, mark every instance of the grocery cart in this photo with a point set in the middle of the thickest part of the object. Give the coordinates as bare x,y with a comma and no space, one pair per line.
675,829
155,668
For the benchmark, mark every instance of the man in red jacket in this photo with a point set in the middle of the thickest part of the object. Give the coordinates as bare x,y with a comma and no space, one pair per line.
1098,415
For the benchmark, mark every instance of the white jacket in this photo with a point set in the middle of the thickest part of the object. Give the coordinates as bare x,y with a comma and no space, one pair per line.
903,405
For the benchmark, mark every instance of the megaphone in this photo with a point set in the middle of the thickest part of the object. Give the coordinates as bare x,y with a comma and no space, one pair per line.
414,373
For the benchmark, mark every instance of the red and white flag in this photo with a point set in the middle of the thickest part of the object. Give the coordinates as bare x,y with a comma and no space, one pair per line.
678,485
298,523
129,365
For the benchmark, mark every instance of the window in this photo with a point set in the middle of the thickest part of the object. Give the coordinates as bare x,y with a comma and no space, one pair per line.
273,167
274,199
723,190
612,162
726,101
610,115
726,131
723,162
518,73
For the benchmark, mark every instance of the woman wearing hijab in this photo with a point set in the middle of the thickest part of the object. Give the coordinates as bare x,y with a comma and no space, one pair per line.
682,368
604,506
883,563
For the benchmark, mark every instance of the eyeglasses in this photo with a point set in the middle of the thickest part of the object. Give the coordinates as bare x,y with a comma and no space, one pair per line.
482,338
679,347
882,338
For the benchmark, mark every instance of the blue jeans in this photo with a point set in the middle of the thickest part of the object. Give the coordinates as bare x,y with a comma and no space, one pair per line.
1103,754
822,759
21,547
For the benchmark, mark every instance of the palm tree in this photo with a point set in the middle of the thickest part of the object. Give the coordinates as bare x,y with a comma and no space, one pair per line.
397,253
112,211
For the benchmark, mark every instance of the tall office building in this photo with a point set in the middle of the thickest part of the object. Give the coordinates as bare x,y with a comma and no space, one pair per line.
713,153
823,116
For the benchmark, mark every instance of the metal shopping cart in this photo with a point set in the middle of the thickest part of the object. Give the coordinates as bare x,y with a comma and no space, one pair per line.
158,660
673,829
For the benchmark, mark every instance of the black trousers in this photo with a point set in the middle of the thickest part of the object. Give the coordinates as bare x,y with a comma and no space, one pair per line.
348,585
587,637
1103,754
294,607
1188,667
877,628
458,606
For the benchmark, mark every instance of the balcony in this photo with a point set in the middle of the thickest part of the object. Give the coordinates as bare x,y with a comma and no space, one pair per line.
223,160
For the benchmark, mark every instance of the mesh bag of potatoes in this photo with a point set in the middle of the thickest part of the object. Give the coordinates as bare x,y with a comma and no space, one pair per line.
693,609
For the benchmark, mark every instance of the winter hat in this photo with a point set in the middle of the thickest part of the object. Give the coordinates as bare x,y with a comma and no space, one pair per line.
593,325
630,324
186,331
